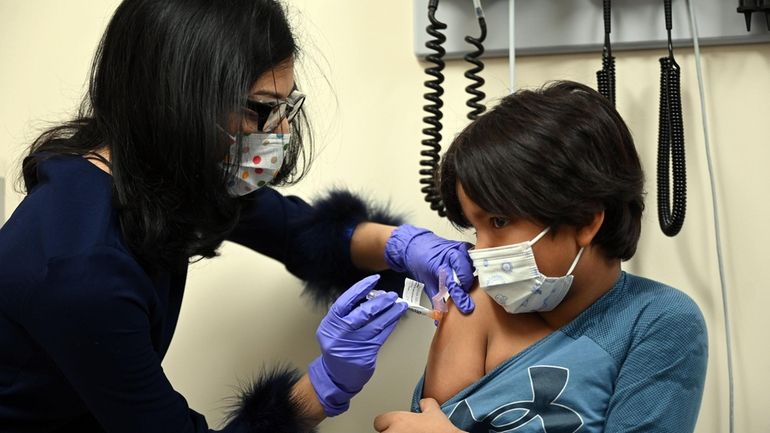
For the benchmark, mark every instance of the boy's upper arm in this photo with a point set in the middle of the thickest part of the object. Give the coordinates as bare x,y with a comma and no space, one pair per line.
458,351
660,384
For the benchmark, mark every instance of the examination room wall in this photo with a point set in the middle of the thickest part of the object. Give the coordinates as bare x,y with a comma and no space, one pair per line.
244,313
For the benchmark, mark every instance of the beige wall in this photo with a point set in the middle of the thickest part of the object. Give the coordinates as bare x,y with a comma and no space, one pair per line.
243,311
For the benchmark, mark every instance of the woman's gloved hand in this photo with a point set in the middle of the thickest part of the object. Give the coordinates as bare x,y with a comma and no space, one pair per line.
424,255
350,336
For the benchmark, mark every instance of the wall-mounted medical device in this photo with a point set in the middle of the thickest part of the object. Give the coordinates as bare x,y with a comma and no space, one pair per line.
748,7
569,26
671,167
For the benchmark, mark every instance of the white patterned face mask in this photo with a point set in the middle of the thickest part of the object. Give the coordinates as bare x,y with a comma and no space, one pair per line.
510,276
261,158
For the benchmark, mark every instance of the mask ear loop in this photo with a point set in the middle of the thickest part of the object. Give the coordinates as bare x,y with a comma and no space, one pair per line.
224,131
540,236
575,262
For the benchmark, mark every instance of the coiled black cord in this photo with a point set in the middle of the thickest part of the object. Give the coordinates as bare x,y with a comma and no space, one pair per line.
606,76
433,131
671,141
472,74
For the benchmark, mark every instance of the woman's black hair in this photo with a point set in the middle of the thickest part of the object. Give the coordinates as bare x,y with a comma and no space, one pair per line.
166,75
556,155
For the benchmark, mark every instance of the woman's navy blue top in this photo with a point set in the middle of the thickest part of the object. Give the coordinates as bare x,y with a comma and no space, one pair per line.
83,327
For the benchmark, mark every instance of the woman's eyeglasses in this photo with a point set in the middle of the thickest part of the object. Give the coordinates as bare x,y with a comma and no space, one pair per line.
268,115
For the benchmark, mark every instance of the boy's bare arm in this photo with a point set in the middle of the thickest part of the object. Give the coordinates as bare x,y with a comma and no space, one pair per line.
458,352
466,347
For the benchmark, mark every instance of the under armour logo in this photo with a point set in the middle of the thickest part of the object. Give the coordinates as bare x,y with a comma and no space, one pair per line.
548,383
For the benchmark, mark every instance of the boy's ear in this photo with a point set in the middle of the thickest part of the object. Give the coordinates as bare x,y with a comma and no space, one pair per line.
586,233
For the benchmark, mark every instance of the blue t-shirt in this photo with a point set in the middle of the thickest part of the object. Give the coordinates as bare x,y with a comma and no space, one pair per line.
634,361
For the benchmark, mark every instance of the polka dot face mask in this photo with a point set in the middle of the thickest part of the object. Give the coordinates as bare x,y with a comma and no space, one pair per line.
261,158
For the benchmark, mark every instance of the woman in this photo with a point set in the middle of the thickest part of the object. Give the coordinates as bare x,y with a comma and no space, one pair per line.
562,340
192,110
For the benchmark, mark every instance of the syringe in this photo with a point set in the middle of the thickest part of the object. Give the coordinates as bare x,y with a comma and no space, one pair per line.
419,309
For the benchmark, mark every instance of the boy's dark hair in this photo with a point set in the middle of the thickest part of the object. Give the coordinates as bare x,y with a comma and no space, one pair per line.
556,155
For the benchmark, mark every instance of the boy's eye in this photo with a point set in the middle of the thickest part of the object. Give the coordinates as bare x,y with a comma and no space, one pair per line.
499,222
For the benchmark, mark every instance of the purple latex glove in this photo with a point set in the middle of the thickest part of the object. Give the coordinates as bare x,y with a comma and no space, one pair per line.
424,255
350,336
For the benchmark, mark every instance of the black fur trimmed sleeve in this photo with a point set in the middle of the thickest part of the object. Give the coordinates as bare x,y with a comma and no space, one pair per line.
312,241
326,265
265,406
